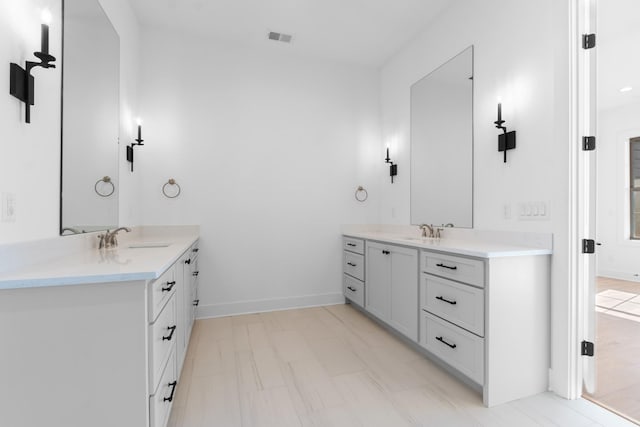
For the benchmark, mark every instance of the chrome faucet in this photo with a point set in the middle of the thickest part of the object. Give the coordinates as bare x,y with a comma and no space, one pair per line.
424,228
109,240
441,228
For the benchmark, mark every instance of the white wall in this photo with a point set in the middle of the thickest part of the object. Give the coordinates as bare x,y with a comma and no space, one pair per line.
618,256
521,54
268,149
30,153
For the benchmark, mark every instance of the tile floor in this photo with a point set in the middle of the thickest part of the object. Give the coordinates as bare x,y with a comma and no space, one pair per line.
617,349
333,366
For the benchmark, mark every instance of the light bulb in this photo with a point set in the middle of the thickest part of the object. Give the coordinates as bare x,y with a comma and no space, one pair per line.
46,16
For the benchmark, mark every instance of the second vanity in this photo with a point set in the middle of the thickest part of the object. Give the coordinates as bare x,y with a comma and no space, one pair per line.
98,337
479,308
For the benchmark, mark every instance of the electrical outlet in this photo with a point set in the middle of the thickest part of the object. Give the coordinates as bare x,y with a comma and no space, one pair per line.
506,211
8,207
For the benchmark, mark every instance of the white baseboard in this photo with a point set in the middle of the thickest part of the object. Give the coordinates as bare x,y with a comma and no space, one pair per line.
622,275
271,304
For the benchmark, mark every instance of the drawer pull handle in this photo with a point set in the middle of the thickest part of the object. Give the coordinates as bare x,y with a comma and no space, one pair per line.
446,266
173,390
196,302
172,329
195,273
446,300
386,252
170,286
351,289
446,343
351,264
188,261
353,245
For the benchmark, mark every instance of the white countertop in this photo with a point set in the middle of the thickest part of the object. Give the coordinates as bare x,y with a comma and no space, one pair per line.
93,265
474,248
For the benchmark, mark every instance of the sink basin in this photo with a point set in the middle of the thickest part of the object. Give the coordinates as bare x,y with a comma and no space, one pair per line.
420,239
145,245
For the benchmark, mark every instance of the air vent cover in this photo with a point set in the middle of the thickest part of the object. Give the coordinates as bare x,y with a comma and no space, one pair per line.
285,38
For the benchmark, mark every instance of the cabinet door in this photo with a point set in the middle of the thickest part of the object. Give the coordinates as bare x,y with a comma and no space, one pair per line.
404,291
378,280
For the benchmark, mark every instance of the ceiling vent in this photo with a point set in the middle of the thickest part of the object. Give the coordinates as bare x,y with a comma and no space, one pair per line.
285,38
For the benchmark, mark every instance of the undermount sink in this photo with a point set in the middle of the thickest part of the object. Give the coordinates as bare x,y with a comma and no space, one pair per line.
145,245
420,239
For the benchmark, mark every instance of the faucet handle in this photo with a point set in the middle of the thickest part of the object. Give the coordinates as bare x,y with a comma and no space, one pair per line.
102,238
424,228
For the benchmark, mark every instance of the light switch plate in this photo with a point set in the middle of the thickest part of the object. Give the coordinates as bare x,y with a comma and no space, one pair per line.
533,211
8,207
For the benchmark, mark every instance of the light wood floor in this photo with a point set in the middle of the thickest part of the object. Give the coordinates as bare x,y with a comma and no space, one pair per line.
333,366
617,348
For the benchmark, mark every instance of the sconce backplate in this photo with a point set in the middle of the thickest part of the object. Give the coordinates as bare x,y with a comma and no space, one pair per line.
507,141
17,84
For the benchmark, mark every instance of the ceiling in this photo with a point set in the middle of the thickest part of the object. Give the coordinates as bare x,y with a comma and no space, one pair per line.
366,32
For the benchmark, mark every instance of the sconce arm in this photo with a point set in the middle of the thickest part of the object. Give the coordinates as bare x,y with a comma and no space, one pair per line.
499,124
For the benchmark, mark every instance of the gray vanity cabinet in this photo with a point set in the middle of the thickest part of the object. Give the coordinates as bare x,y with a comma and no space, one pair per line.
481,309
353,270
191,272
187,276
392,286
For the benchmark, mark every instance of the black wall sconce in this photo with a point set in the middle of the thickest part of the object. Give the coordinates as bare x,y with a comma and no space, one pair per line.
21,82
393,168
506,141
138,142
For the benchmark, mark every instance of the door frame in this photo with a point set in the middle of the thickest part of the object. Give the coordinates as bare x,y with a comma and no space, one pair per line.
582,267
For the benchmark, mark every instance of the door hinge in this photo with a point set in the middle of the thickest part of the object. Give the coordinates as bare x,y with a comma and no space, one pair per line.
587,348
588,143
588,246
588,41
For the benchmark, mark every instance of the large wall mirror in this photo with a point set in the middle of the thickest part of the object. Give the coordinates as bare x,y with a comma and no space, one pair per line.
442,144
90,119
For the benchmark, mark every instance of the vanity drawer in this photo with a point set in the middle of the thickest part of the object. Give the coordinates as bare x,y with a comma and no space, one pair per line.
353,245
452,301
160,291
453,267
353,289
354,265
457,347
163,335
160,402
